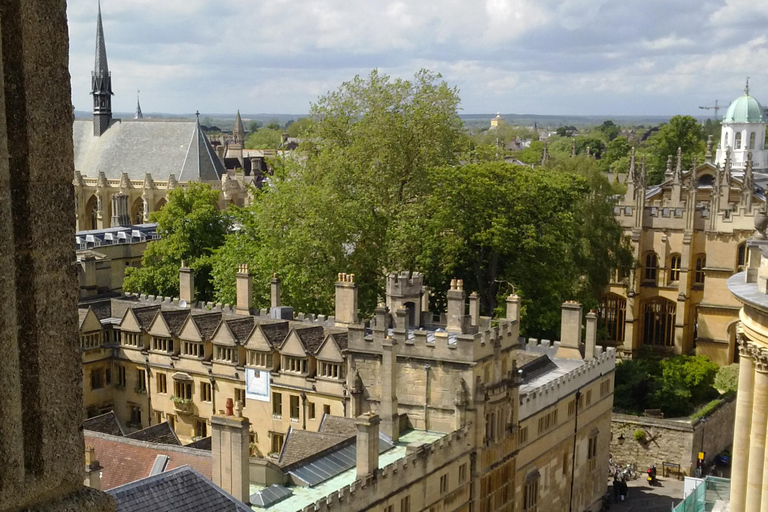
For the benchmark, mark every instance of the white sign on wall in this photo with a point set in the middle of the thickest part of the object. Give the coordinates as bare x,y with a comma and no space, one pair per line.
257,385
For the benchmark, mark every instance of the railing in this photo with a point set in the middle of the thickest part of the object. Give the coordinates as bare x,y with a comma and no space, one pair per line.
704,496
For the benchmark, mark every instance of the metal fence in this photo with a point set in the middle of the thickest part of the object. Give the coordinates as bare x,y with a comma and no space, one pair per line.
704,496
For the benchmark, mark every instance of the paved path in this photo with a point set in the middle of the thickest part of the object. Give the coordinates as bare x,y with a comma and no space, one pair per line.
642,497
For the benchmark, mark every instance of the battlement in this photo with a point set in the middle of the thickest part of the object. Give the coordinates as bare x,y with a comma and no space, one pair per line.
401,285
544,391
419,461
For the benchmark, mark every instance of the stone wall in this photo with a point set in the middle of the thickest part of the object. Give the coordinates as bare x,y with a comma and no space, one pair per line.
672,440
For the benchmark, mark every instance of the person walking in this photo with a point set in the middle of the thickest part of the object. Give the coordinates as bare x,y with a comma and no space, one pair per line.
623,489
616,487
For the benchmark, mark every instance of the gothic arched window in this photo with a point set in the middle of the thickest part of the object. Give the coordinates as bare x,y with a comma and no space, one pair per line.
613,314
752,140
737,141
651,267
741,256
659,322
701,262
674,268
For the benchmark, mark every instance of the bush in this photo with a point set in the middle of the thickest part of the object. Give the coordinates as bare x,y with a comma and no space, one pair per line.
727,378
639,435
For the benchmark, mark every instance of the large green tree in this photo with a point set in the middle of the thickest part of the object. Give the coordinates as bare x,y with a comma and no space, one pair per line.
682,132
265,138
191,227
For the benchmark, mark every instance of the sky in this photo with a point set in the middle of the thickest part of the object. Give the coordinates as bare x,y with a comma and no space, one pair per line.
566,57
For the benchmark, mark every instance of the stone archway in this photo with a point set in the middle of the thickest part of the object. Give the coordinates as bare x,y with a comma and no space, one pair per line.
88,220
137,211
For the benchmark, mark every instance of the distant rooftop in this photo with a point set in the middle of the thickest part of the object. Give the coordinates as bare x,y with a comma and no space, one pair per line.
94,238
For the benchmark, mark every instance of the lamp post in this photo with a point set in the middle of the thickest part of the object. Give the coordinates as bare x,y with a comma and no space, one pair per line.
621,439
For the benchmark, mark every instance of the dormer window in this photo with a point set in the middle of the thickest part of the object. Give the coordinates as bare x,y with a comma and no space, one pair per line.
192,349
294,364
131,339
330,370
261,359
705,180
226,354
162,344
90,341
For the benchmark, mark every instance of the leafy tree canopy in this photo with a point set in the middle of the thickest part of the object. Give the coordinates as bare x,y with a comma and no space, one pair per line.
265,138
682,132
615,150
609,129
191,228
297,128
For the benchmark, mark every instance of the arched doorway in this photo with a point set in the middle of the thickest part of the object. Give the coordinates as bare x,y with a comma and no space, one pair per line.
160,204
613,313
659,322
89,219
137,211
411,308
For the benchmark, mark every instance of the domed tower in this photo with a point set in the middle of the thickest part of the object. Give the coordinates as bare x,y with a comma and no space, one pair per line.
744,131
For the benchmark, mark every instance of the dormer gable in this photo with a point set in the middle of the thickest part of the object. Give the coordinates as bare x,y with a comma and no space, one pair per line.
189,331
292,346
89,322
159,327
258,341
330,351
223,336
129,322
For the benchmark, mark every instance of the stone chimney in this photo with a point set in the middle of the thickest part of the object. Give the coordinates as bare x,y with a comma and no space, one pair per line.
457,320
244,285
274,292
220,152
380,323
591,336
390,418
474,308
120,216
401,325
570,331
88,283
513,307
346,300
92,469
230,452
186,283
367,445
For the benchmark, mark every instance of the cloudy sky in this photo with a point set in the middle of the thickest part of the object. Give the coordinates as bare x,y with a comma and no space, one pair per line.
581,57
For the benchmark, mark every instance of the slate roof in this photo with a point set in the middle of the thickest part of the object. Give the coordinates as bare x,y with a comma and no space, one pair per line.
201,444
301,445
311,337
275,332
175,319
106,423
207,323
126,460
342,339
160,147
145,315
338,425
240,327
162,433
180,490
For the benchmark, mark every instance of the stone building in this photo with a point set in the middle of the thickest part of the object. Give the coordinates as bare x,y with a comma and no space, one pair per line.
139,160
688,235
426,377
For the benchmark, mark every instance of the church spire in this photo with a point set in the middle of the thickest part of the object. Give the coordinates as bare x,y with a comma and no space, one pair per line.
101,83
238,132
138,114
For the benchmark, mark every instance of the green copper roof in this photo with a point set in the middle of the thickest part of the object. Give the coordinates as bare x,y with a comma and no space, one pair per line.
745,109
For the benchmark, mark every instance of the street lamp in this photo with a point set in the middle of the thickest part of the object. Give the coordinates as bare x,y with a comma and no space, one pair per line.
621,439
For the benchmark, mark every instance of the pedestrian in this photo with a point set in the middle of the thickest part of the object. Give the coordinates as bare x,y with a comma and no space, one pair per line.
616,487
623,489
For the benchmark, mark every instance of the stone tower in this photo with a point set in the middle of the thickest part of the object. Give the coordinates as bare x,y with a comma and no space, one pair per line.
238,132
101,83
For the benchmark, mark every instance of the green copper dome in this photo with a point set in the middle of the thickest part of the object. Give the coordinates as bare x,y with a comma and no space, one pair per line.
745,109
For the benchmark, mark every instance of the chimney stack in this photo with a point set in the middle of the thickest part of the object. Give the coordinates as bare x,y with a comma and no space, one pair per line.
455,297
244,286
380,323
92,469
570,331
230,453
591,336
390,417
474,308
346,300
367,444
274,292
186,283
513,307
401,325
220,152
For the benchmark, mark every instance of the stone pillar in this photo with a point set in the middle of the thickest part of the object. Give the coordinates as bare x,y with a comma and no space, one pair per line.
186,283
120,215
742,428
570,331
41,404
92,469
88,285
244,287
367,445
513,307
591,336
757,434
401,325
455,310
474,308
390,418
230,453
346,300
274,292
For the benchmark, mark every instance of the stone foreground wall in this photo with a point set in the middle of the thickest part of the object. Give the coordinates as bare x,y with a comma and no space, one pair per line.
669,440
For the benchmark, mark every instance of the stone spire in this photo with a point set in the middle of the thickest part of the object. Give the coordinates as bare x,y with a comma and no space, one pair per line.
138,114
101,83
727,169
708,157
747,185
678,174
238,132
668,172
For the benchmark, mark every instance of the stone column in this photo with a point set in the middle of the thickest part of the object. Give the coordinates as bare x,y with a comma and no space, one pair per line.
757,433
367,445
742,427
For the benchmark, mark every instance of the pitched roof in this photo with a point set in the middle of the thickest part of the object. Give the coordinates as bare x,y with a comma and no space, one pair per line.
126,460
338,425
106,423
240,327
275,332
238,125
342,339
162,433
175,319
100,67
311,337
206,324
301,444
201,444
145,315
182,489
201,162
81,314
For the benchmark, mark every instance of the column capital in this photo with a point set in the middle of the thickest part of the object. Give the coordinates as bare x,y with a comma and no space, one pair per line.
745,347
761,359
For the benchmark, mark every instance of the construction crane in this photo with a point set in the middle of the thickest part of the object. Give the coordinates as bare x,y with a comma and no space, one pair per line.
716,108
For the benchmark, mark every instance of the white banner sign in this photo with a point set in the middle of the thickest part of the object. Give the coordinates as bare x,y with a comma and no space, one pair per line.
257,384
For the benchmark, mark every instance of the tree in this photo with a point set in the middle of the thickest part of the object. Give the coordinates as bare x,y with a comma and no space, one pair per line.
609,129
615,150
297,128
274,124
532,154
266,138
191,227
367,151
682,132
595,145
254,126
566,131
